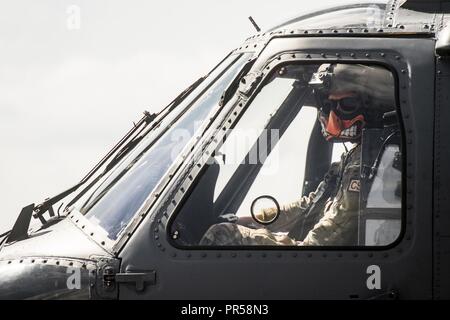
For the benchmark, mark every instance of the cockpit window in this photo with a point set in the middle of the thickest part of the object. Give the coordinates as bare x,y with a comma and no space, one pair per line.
352,16
278,180
117,197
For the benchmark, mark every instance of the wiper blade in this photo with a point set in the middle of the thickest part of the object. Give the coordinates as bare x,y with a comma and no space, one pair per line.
20,229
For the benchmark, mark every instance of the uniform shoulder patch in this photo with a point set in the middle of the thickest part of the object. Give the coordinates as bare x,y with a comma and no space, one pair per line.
355,185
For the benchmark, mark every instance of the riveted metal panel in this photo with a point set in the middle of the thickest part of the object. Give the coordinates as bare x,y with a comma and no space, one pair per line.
279,273
441,215
45,278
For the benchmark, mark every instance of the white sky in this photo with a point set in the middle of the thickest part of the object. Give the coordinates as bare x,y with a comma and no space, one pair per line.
67,96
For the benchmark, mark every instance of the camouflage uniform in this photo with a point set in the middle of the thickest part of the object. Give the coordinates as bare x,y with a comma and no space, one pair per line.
330,213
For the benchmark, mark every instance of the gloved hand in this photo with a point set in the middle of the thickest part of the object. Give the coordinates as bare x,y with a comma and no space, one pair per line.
228,217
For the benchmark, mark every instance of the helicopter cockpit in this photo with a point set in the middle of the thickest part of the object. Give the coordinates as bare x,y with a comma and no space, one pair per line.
280,152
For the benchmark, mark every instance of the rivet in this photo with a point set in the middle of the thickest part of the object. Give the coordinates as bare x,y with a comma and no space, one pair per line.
103,243
293,56
268,67
249,255
365,30
219,255
294,254
382,54
163,249
403,71
386,255
279,255
9,262
439,72
397,57
352,54
57,263
350,30
305,32
309,255
380,30
188,255
71,264
233,255
410,207
426,26
339,255
92,234
44,261
323,55
370,255
156,237
292,32
20,261
390,25
324,255
320,31
401,27
264,255
204,255
32,261
335,31
338,55
174,254
308,56
355,255
367,55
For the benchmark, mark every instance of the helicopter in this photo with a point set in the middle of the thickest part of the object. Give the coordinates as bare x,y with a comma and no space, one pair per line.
134,226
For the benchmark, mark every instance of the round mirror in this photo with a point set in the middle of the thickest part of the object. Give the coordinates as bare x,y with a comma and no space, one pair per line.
265,210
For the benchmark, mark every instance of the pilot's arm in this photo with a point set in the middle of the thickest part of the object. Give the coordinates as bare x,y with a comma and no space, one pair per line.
293,212
339,224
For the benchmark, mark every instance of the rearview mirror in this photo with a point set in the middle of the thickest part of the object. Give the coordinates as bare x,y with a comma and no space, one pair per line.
265,210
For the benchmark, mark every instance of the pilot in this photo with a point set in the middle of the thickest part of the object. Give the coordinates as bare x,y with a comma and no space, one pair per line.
350,97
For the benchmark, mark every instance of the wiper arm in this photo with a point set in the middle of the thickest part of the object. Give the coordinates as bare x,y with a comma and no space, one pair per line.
20,229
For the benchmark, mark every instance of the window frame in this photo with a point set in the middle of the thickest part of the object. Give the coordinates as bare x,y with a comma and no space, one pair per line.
245,98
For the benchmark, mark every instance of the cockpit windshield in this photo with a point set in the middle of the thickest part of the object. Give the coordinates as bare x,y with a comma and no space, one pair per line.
114,200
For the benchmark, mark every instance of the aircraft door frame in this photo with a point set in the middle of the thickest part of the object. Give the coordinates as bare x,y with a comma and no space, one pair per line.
308,273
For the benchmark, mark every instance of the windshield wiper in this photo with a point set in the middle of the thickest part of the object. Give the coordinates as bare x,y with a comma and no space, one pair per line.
20,229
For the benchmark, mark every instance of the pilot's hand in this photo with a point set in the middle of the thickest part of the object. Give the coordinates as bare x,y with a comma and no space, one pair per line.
228,217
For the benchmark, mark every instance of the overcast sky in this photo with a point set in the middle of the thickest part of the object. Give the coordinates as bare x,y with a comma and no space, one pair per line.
70,88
